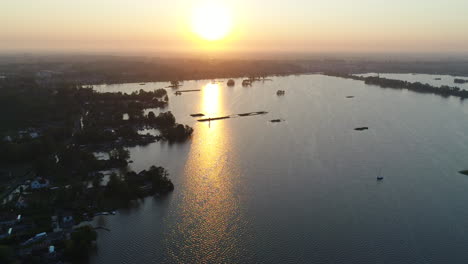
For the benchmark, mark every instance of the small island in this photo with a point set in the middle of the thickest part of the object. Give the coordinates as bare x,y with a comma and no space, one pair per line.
460,81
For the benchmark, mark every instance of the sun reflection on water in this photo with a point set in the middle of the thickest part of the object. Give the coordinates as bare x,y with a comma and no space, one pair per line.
211,104
210,208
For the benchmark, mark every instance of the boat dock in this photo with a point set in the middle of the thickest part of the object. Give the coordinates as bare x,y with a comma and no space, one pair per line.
232,116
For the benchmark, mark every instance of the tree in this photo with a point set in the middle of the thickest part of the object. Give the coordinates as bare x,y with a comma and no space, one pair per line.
151,116
97,180
119,154
77,248
6,254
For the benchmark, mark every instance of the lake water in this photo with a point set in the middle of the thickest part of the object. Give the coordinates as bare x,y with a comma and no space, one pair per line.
304,190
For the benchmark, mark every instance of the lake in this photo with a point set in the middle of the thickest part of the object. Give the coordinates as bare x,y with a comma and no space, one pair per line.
303,190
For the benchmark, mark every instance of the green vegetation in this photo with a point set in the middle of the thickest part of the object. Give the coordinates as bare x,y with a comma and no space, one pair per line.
7,254
417,87
77,249
53,135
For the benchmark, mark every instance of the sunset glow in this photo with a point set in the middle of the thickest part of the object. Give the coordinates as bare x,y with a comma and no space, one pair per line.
211,21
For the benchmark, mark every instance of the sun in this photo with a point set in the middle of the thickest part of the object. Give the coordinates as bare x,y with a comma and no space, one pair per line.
211,21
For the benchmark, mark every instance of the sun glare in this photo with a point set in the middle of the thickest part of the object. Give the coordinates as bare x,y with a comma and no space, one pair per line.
212,21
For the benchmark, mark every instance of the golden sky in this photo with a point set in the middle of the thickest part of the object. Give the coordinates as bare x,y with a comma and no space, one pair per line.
255,25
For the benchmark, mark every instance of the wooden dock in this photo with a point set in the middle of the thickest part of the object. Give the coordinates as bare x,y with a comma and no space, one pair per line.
232,116
213,119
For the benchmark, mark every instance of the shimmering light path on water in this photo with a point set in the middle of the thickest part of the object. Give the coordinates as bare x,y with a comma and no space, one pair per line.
304,190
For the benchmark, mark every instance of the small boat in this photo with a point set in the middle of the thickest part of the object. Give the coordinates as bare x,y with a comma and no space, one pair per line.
231,82
197,115
380,177
280,92
142,83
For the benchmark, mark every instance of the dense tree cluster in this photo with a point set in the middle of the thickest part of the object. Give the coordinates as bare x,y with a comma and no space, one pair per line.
77,248
418,87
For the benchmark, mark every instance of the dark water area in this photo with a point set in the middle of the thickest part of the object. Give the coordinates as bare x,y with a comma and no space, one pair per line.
303,190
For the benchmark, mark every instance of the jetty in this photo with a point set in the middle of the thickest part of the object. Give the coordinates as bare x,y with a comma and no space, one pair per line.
186,91
213,119
252,113
233,116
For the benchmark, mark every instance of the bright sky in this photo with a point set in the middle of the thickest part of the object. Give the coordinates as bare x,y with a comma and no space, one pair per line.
255,25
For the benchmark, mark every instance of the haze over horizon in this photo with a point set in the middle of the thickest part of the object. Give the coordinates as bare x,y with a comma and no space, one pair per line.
273,26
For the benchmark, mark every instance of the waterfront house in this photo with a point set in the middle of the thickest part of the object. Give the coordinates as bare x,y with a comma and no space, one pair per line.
39,183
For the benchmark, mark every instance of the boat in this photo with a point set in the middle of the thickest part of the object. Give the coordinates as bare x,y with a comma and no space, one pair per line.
197,115
280,92
380,177
231,82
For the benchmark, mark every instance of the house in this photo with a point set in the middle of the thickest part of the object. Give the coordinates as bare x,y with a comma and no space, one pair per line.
21,202
62,220
67,220
39,183
55,224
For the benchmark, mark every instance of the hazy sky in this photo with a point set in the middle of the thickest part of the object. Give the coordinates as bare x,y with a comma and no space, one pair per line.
258,25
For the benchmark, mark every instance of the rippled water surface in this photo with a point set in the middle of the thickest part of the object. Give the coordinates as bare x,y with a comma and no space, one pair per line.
304,190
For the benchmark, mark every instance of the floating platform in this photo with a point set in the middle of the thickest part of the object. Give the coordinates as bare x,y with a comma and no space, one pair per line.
213,119
186,91
361,128
229,116
253,113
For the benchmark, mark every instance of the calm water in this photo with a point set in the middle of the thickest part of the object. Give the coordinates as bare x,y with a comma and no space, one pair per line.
434,80
305,190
